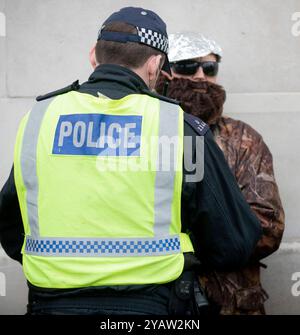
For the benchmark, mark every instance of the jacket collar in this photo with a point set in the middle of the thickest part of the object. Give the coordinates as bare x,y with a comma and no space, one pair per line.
114,81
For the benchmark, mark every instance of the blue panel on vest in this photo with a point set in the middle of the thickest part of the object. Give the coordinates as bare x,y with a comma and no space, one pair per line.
98,134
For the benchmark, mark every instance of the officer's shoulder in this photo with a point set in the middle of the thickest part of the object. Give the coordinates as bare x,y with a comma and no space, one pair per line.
160,97
73,87
199,126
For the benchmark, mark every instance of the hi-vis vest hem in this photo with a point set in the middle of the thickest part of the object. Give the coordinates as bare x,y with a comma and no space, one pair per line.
86,225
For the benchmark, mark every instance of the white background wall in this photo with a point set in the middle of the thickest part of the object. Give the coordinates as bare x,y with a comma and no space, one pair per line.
46,47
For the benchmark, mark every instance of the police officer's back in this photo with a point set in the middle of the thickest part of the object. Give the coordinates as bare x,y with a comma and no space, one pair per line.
109,210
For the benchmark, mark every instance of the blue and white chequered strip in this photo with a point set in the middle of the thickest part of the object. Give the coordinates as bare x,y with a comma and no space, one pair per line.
154,39
102,247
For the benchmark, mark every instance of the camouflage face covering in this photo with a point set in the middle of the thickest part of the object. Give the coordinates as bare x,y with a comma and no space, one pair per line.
202,99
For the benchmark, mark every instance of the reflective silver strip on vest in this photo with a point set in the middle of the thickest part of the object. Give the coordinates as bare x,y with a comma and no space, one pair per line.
28,162
165,168
162,243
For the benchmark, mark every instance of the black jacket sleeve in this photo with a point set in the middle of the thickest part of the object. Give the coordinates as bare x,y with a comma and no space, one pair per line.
223,228
11,226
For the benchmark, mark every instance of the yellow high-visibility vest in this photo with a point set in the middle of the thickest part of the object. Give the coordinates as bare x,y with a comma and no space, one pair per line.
99,185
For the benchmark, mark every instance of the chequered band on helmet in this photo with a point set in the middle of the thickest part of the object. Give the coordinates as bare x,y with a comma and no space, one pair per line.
154,39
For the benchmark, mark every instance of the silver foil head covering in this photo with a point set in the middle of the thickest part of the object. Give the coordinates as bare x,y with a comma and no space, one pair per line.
191,45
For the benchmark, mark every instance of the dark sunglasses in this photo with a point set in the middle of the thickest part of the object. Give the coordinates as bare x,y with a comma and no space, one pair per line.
190,67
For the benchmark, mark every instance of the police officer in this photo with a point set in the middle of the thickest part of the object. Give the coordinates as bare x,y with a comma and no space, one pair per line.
99,238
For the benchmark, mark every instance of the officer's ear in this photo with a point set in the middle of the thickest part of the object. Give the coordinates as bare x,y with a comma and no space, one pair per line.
93,60
154,66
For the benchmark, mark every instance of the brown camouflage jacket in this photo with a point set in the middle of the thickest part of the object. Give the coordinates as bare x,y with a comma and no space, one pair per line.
250,160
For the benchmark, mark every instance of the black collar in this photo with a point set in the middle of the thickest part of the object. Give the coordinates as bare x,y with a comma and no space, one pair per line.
114,81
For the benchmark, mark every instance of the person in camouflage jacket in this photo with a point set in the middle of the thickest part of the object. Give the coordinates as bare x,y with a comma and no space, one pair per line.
195,60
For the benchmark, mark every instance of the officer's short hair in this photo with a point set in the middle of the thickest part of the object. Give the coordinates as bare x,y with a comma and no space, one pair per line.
130,54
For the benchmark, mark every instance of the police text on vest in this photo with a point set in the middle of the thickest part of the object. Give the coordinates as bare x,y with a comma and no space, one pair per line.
98,134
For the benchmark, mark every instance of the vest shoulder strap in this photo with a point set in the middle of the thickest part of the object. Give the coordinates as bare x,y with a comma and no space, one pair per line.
200,127
73,87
